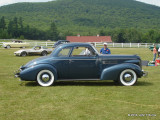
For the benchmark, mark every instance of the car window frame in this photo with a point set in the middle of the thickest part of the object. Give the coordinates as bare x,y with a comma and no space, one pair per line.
64,56
87,56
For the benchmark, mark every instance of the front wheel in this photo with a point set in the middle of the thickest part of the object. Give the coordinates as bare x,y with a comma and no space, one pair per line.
23,54
45,78
8,46
44,53
128,77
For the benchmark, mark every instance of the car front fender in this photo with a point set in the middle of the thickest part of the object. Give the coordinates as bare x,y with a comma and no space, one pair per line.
113,72
30,73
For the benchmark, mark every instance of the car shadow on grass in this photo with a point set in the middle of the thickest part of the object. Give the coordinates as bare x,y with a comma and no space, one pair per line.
87,83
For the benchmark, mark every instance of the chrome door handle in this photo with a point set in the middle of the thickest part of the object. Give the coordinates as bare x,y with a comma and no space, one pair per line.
71,61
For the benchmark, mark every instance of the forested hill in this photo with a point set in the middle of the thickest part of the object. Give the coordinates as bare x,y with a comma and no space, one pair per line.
70,14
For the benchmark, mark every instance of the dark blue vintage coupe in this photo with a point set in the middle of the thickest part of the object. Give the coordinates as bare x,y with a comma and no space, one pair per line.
81,61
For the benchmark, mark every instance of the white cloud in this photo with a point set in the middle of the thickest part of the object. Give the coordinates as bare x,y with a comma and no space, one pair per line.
153,2
6,2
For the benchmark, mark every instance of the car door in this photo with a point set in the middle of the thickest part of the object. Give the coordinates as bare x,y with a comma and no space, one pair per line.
61,62
83,66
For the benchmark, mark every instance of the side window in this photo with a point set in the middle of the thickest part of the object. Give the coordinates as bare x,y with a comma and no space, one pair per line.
64,52
82,51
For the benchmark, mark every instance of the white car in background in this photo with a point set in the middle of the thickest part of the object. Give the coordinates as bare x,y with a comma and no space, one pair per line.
15,44
37,50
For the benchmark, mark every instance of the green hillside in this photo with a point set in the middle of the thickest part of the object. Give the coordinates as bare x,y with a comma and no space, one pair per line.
85,15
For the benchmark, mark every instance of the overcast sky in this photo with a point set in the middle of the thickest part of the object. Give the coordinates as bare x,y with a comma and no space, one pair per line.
6,2
153,2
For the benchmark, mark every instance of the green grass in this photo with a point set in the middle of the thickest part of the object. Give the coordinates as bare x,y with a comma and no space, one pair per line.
77,100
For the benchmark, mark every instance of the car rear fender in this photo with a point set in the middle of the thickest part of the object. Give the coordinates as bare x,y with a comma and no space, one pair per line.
113,72
30,73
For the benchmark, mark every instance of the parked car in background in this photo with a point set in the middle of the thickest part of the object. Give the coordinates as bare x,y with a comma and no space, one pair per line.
60,42
15,44
152,46
68,62
37,50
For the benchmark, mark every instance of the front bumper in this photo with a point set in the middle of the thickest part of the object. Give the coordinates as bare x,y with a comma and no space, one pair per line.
17,73
17,54
145,73
4,46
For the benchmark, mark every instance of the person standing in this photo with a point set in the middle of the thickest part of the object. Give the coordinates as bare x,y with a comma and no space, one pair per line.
154,53
159,52
105,50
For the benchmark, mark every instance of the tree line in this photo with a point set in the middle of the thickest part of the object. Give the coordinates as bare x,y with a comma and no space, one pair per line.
132,35
15,28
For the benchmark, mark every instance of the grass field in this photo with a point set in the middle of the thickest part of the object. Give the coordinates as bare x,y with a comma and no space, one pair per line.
77,100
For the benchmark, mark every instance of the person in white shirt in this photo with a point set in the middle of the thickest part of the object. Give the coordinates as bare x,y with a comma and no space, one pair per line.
87,52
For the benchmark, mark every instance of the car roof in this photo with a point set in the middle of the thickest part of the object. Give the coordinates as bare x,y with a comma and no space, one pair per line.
62,41
75,44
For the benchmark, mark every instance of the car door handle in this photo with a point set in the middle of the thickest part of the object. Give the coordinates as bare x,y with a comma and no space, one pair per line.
71,61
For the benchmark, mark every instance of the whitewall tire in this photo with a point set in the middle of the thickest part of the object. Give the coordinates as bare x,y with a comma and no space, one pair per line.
45,78
128,77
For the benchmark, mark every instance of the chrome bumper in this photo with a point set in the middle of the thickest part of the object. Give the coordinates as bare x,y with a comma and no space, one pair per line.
145,73
17,73
17,54
4,46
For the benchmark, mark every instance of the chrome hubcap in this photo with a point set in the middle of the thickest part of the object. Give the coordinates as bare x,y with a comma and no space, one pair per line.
45,77
128,77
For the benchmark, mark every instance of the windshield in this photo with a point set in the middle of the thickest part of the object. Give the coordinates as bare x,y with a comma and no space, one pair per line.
95,49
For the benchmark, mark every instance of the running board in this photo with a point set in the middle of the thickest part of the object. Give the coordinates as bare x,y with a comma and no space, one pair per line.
78,79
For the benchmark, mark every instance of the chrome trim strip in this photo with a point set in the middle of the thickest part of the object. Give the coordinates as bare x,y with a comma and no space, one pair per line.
74,59
78,79
97,59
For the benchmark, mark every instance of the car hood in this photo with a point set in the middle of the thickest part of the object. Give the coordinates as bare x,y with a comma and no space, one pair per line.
7,43
19,51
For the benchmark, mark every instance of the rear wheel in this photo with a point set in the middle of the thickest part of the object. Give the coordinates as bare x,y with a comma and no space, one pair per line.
8,46
23,54
45,78
128,77
44,53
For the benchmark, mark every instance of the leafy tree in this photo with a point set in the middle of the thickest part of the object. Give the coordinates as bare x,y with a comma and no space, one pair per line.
53,32
2,23
102,33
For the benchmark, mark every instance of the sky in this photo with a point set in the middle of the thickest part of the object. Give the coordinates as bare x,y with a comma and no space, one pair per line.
6,2
153,2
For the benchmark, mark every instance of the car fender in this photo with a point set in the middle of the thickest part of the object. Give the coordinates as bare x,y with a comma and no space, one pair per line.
44,51
113,72
20,51
30,73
